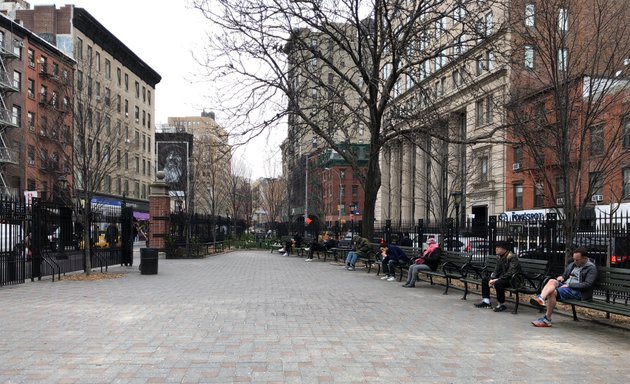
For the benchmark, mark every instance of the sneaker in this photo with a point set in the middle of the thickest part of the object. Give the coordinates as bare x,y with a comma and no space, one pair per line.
307,249
285,254
281,250
499,308
385,277
308,260
483,304
537,301
409,285
350,268
391,278
542,322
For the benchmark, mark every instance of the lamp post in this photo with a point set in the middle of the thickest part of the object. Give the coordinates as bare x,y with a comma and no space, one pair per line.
457,199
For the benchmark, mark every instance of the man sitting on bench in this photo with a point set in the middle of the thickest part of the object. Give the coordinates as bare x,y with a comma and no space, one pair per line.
576,283
392,257
361,248
501,277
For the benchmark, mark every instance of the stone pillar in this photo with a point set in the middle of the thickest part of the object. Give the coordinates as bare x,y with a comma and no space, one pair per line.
159,211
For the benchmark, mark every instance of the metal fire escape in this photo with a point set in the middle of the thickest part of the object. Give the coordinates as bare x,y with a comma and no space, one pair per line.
7,120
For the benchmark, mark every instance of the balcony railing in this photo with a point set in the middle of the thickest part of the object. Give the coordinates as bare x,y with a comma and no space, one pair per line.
6,118
9,155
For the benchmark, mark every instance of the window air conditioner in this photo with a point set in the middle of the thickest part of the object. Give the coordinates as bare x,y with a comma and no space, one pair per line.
560,201
516,166
597,198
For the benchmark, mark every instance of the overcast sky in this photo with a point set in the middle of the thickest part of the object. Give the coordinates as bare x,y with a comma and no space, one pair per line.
164,34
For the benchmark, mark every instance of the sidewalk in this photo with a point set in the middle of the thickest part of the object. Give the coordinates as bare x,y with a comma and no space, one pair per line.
252,316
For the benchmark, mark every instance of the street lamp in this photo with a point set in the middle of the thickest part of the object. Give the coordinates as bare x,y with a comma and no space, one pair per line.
457,199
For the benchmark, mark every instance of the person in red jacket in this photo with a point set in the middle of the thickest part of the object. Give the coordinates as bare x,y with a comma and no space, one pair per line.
428,261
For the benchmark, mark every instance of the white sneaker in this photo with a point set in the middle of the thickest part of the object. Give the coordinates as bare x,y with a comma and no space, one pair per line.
285,254
384,277
308,260
391,278
307,249
281,250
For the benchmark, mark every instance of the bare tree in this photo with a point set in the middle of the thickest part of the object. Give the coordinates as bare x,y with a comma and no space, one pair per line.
339,66
239,189
100,149
565,110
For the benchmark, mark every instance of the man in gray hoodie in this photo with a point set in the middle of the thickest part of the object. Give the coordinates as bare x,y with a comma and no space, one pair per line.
575,283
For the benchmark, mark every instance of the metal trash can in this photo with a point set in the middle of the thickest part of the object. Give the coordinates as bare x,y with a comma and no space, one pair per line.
148,261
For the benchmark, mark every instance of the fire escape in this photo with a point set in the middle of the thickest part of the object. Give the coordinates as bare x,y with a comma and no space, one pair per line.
7,119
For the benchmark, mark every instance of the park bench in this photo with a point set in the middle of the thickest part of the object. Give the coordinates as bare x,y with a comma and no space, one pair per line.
533,272
341,250
612,292
451,267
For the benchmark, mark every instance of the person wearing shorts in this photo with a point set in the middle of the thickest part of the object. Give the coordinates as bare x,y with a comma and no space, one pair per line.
576,283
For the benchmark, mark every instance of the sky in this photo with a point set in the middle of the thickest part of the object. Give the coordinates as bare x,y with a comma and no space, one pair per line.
165,34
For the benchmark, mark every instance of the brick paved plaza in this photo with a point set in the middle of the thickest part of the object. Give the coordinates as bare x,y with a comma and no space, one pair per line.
252,316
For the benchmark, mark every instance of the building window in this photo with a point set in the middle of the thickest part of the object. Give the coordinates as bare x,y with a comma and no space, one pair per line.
17,48
539,196
31,120
31,88
626,183
562,59
563,20
490,60
518,196
355,191
30,154
597,140
596,183
479,113
626,132
108,69
16,116
489,24
342,192
530,11
483,169
98,61
479,65
119,76
518,156
489,110
529,57
126,82
31,58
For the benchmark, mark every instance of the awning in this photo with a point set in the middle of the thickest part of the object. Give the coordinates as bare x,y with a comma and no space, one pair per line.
140,215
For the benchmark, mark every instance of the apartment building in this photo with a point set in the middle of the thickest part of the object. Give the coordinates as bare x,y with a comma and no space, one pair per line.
320,100
115,93
35,115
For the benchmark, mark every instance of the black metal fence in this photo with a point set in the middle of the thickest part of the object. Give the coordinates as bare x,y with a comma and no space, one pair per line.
607,238
44,238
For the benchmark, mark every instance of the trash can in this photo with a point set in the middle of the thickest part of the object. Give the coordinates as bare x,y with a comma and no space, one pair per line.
148,261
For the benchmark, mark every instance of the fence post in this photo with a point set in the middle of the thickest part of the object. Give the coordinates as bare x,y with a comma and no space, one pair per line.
449,233
159,209
126,233
388,231
420,231
36,232
492,233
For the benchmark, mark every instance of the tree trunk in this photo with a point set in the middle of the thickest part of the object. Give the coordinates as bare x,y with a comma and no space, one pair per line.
371,188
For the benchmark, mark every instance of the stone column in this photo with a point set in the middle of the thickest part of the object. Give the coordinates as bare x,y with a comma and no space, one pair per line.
159,211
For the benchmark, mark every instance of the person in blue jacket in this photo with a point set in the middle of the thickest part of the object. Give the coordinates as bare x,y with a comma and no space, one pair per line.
392,257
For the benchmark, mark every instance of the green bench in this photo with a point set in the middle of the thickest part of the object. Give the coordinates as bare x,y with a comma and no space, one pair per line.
532,277
451,267
612,292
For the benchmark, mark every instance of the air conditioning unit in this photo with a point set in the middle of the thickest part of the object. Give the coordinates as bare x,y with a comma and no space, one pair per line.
18,44
560,201
597,198
516,166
